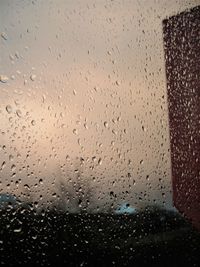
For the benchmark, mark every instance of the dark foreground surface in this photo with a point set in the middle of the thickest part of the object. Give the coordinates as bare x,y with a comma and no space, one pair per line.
153,237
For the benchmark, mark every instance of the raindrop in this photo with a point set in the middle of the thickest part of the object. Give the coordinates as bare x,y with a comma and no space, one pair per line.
117,83
27,186
19,113
33,77
11,57
68,158
100,161
9,109
4,36
75,131
13,167
94,159
144,129
33,122
18,230
106,124
85,126
114,132
3,78
11,158
3,165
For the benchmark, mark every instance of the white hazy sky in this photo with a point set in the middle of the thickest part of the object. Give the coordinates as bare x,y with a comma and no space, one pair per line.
85,79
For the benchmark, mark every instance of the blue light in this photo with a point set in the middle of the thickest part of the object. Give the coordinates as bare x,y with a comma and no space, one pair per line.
125,209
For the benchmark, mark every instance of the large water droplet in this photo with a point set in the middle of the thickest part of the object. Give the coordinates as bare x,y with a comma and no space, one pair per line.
3,78
33,77
33,122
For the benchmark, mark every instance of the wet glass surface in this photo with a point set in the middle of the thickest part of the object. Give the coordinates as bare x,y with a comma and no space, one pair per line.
97,140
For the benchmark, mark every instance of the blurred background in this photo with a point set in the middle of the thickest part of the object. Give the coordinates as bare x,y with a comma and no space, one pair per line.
83,103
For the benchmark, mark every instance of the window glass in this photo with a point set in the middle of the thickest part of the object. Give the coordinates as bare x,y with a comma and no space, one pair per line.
85,155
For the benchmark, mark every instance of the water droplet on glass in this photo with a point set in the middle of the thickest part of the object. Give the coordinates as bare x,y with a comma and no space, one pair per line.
117,83
19,113
75,131
94,159
9,109
33,77
3,78
13,167
106,124
27,186
33,122
100,161
11,158
144,129
3,165
4,36
85,126
18,230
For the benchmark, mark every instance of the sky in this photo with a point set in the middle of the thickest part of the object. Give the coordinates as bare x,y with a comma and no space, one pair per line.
83,93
